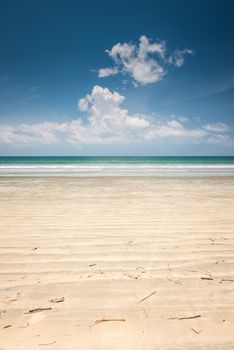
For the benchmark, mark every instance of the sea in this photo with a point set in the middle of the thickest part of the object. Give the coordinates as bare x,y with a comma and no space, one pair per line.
116,166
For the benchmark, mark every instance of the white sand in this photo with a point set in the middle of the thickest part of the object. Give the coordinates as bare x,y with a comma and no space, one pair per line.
106,243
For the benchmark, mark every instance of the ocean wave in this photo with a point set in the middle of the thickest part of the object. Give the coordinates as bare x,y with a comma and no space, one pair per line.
117,170
118,166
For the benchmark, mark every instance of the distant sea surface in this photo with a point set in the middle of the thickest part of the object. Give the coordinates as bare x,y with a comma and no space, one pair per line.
116,166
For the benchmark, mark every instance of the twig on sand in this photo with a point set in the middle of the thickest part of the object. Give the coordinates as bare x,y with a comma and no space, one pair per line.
39,309
147,316
189,317
48,343
110,320
7,326
140,301
184,318
226,280
194,330
57,300
207,278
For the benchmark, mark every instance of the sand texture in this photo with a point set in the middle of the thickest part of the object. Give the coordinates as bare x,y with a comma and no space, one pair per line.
117,263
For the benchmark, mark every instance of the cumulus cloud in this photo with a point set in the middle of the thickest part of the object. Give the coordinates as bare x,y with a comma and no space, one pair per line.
108,122
145,63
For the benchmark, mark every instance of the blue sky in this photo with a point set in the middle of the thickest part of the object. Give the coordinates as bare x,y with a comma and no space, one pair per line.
117,78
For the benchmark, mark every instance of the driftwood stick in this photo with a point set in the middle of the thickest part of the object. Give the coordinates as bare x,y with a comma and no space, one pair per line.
7,326
147,316
57,300
194,330
110,320
227,280
140,301
39,309
189,317
53,342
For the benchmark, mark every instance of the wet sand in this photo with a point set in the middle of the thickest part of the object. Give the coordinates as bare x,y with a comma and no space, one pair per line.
132,263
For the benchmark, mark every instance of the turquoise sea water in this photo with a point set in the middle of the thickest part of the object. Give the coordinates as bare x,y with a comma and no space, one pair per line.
117,166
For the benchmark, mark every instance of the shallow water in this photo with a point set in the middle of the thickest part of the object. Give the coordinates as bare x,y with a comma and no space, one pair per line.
116,166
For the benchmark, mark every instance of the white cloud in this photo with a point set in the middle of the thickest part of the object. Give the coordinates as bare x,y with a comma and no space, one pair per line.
175,129
107,122
220,139
83,103
105,72
146,63
178,57
216,127
40,133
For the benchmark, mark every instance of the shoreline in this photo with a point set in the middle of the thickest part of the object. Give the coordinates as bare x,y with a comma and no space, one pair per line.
143,177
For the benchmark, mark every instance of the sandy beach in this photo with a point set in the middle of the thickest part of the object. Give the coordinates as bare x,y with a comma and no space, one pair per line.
116,263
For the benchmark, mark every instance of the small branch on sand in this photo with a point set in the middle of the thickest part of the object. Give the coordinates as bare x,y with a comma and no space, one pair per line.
48,343
39,309
207,278
194,330
7,326
147,316
110,320
57,300
226,280
184,318
91,265
140,301
189,317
